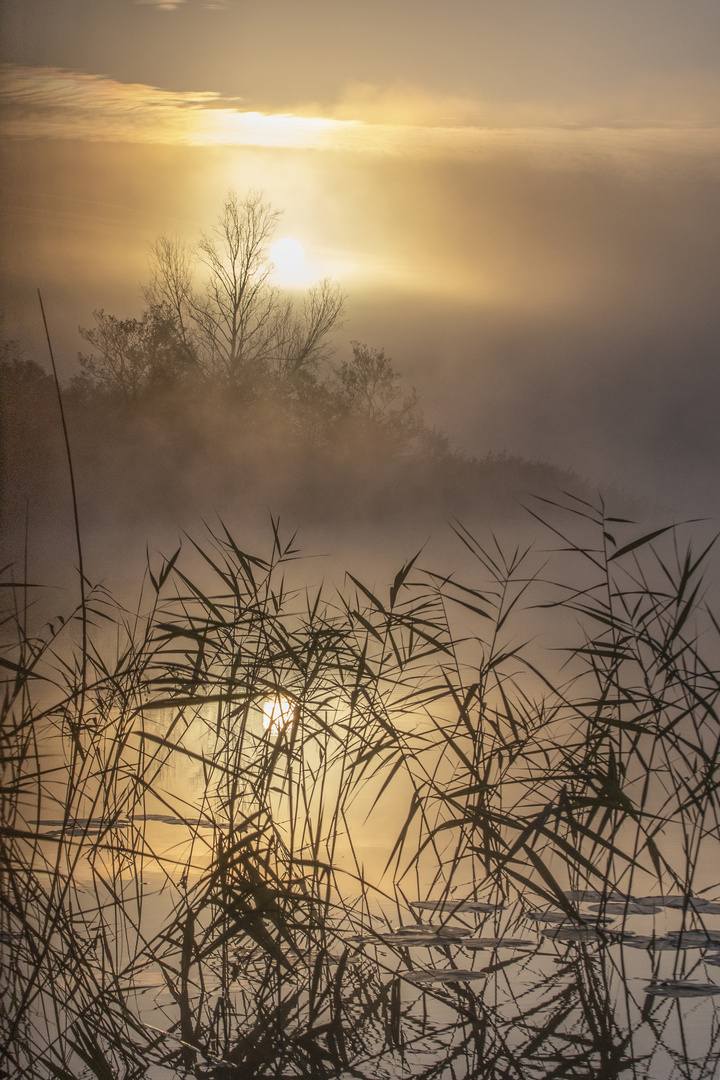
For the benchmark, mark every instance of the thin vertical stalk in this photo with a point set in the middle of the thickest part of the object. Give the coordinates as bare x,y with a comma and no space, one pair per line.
76,517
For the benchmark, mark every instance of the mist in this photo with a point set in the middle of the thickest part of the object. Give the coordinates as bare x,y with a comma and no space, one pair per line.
557,307
375,585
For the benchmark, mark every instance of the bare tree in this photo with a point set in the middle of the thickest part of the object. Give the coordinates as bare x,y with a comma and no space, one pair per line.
239,309
170,289
239,326
303,342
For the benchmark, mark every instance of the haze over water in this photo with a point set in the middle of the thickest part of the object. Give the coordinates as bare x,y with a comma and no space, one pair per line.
501,229
521,202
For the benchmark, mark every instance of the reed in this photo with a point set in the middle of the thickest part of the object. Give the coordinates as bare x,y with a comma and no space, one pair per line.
257,943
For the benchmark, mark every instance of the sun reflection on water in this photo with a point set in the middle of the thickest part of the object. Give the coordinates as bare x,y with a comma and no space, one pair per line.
278,714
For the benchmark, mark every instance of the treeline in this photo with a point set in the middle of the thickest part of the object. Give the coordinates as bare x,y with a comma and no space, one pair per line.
217,329
334,439
225,389
226,392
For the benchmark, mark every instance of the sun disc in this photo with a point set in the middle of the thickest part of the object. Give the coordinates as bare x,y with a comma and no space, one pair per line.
287,255
278,714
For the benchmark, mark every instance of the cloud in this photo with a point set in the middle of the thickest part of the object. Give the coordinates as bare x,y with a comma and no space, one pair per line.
402,103
549,290
51,103
395,120
172,5
164,5
674,101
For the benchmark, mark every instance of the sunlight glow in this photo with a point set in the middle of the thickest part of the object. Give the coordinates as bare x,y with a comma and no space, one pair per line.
278,714
287,256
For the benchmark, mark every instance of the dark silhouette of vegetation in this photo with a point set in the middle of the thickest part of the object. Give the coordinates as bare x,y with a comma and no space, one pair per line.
133,357
216,328
516,795
222,383
226,392
215,315
520,800
230,322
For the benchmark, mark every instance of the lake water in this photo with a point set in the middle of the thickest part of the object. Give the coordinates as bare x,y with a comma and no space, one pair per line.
362,974
191,893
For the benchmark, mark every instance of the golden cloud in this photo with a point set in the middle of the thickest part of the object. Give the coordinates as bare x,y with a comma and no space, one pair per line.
49,103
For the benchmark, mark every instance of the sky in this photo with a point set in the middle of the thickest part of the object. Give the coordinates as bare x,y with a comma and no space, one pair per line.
519,197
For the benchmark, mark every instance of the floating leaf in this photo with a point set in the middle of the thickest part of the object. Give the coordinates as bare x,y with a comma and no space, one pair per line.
626,908
456,905
591,895
437,931
480,905
682,988
693,903
637,941
573,933
546,916
498,943
689,939
407,940
451,975
417,928
425,935
668,944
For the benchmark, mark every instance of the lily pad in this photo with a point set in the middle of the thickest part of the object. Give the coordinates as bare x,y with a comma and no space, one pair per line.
583,895
682,988
636,941
480,905
657,944
451,975
437,931
693,903
693,939
573,933
667,944
426,935
546,916
456,905
498,943
591,896
409,940
417,928
615,908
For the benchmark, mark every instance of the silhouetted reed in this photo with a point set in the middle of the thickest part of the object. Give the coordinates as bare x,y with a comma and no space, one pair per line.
270,729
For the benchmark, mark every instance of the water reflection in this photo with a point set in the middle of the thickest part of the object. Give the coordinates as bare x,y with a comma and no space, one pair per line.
186,892
359,1004
278,714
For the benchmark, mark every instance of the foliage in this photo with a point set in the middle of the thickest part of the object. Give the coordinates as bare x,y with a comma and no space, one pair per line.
133,356
226,311
216,326
369,389
262,961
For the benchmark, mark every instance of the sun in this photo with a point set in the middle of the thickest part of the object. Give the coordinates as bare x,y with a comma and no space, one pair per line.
287,256
278,714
